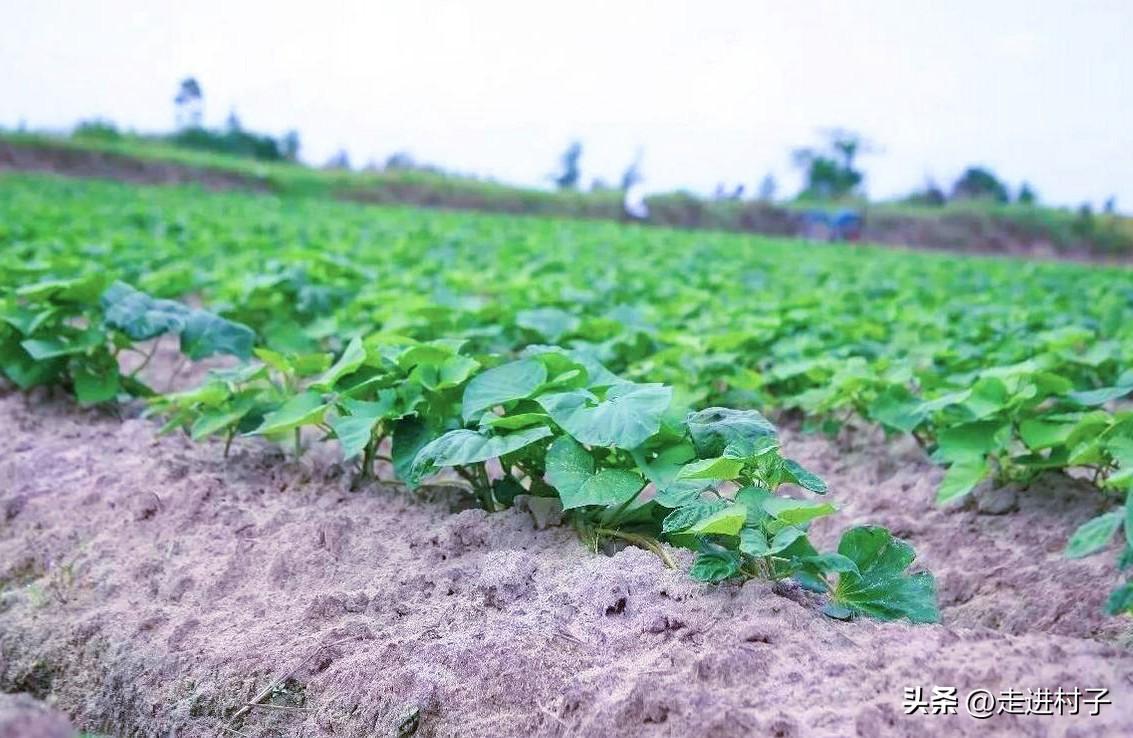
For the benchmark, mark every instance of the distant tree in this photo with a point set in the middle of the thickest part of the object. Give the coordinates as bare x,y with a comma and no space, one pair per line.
830,172
289,145
979,183
767,187
340,160
189,104
632,174
232,122
1084,224
569,173
738,192
1026,196
1110,206
929,195
401,160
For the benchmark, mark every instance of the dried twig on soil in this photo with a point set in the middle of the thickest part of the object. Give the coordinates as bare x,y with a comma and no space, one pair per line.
270,706
567,635
263,694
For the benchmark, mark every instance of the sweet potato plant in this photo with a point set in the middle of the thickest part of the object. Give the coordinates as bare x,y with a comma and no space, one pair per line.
622,460
71,332
1001,370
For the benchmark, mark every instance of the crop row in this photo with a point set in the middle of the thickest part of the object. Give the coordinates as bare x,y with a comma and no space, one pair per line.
1001,370
619,458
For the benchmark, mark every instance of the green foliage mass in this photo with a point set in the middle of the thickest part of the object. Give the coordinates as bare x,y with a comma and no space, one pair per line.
586,361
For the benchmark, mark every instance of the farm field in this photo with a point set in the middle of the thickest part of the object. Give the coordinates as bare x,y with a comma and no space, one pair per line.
454,474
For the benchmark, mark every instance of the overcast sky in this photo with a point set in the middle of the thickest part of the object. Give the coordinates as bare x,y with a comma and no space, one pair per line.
1040,90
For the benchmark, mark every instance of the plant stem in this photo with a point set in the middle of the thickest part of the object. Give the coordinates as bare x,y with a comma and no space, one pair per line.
612,518
642,541
368,459
146,361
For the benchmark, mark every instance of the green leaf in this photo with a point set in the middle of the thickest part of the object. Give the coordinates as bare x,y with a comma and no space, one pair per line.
550,323
1100,396
626,418
383,407
354,432
1093,535
206,334
989,396
753,499
960,479
505,490
42,349
606,488
804,478
410,435
516,380
84,289
726,522
25,321
1120,600
216,419
718,468
685,517
969,441
833,562
662,471
754,541
796,512
715,566
897,408
140,316
1040,434
305,409
568,466
513,422
95,384
741,434
881,588
461,447
452,372
352,358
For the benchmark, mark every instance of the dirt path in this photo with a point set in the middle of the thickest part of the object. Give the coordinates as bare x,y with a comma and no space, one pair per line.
152,588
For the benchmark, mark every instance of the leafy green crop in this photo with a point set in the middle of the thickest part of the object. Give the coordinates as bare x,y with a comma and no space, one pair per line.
619,458
426,324
70,332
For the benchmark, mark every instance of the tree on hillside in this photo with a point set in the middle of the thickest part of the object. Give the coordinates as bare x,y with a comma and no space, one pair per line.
340,160
767,187
189,104
979,183
929,195
632,174
1026,195
830,172
569,172
289,145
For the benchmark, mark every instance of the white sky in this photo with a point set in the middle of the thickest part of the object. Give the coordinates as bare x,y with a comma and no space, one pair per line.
1040,90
